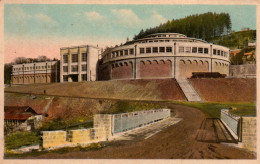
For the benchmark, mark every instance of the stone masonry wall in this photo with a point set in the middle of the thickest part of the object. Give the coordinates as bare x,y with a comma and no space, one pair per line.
52,139
249,133
102,131
103,126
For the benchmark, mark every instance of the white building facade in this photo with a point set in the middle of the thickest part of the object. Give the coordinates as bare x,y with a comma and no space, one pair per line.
79,63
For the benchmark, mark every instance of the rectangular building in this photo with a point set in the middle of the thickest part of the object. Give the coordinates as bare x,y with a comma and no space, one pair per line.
30,73
79,63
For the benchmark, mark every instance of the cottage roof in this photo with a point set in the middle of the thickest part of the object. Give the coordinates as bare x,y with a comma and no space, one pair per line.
18,112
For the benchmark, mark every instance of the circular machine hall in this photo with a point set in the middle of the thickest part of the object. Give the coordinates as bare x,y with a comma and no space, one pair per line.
163,55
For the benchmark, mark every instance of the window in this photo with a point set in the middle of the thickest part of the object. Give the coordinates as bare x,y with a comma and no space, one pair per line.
155,40
150,41
42,67
84,77
65,68
141,50
121,53
126,52
222,53
206,50
162,49
65,78
131,51
214,51
200,50
181,49
161,40
65,58
168,49
116,54
83,67
155,49
225,54
218,52
48,66
148,50
84,57
74,58
74,68
187,50
167,40
194,50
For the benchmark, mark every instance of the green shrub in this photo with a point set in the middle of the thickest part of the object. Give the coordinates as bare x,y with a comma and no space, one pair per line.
128,106
19,139
65,123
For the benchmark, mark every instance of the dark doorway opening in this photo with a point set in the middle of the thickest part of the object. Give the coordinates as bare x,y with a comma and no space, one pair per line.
74,78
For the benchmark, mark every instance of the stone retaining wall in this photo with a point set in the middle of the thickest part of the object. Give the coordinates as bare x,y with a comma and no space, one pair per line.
249,133
52,139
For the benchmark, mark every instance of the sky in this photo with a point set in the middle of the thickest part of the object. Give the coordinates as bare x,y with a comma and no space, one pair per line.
32,30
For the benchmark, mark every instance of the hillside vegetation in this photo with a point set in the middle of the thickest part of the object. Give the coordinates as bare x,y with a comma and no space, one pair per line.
202,26
235,40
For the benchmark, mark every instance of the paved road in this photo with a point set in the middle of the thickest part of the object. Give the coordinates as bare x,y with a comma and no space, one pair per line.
174,142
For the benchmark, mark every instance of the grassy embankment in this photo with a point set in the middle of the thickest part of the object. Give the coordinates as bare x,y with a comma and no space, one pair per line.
213,109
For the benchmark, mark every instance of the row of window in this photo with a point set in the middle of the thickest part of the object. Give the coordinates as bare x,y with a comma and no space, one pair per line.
32,68
155,49
74,58
74,68
119,53
182,49
201,51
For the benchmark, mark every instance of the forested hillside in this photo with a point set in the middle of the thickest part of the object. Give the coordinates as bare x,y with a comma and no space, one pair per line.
203,26
235,40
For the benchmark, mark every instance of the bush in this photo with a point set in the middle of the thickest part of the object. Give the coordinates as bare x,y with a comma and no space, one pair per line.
65,123
19,139
126,106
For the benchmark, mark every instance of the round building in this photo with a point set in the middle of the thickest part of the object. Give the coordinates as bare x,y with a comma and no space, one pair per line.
163,55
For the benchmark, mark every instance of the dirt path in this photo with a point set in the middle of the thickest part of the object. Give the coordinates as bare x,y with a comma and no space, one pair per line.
175,142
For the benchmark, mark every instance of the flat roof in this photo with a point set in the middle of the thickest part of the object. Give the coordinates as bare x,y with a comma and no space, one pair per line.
80,46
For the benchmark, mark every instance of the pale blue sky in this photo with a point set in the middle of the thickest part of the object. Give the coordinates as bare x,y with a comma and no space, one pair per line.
108,21
34,30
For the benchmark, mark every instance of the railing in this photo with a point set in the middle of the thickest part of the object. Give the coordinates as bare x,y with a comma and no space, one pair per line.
127,121
232,122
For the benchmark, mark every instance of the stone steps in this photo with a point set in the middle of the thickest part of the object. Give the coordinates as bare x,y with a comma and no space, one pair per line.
188,90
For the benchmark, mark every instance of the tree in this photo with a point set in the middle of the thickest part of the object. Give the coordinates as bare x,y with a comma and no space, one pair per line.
7,73
203,26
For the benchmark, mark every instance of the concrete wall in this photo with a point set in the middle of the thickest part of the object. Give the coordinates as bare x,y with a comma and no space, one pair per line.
245,70
249,133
